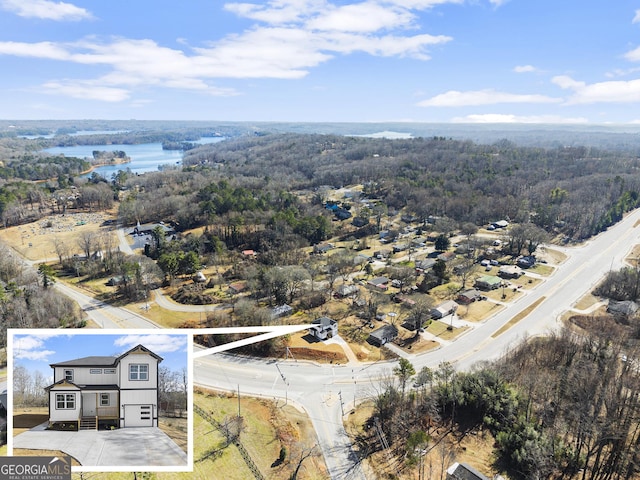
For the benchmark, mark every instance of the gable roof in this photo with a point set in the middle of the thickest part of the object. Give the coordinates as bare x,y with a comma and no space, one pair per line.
102,361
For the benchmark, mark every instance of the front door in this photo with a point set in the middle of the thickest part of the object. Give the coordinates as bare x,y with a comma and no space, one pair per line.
89,405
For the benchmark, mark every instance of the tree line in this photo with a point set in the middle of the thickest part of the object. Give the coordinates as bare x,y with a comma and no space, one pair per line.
574,191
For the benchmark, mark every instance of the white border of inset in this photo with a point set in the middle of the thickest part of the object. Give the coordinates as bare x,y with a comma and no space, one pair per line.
188,333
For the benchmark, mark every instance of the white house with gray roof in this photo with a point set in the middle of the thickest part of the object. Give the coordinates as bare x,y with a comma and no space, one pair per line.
106,391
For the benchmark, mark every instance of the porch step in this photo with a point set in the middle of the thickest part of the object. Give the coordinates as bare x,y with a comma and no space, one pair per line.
88,423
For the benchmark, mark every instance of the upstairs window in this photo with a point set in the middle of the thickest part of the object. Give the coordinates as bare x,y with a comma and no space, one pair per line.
68,375
138,372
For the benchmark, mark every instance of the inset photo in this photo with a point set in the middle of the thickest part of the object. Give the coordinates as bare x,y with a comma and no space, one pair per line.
113,400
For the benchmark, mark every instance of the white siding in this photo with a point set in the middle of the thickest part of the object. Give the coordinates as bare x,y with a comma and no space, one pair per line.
63,415
139,359
83,376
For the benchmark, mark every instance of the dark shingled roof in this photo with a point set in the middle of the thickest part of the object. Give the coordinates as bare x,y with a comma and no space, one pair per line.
88,362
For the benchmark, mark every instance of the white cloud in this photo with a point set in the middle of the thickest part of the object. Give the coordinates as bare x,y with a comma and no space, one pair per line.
509,118
636,18
299,35
524,69
157,343
498,3
361,17
31,348
454,98
633,55
601,92
45,9
86,91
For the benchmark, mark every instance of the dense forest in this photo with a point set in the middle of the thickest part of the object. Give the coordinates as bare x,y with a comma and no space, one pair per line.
573,191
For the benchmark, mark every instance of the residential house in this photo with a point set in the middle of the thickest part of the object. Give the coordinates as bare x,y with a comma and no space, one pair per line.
446,256
510,271
424,265
526,261
359,222
419,241
237,287
469,296
106,391
382,335
322,248
463,471
624,308
403,300
324,328
444,309
400,247
148,228
347,290
342,214
382,254
281,311
488,282
498,224
379,283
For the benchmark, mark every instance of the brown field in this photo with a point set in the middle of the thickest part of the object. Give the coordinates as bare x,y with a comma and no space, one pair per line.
34,240
478,311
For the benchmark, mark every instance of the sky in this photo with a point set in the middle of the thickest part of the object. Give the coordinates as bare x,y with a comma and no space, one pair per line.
464,61
37,350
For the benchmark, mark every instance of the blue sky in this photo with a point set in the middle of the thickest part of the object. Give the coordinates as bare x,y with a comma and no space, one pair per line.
37,350
531,61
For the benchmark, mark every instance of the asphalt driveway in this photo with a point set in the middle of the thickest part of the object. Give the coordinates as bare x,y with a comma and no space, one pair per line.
123,447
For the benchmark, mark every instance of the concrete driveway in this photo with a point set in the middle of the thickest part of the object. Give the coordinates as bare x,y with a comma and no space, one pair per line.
123,447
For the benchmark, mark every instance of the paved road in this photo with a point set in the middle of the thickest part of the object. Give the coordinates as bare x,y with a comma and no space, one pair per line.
105,315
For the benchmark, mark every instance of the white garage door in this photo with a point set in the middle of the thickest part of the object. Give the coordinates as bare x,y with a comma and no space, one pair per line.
138,416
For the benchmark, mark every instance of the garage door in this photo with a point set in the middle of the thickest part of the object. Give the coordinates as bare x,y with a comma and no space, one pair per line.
138,416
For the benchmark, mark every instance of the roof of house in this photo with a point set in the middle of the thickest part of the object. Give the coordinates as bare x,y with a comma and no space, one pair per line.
384,331
378,281
102,361
93,361
471,293
83,387
463,471
323,323
626,307
489,280
446,306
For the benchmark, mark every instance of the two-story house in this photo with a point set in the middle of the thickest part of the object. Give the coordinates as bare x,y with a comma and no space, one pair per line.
106,391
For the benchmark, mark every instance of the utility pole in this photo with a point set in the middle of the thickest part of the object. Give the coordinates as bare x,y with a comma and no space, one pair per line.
238,400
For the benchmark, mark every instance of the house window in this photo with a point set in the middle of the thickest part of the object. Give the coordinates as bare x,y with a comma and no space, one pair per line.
65,401
95,371
104,399
68,375
109,370
138,371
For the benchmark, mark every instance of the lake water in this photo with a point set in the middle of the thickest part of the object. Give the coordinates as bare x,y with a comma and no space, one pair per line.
145,157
